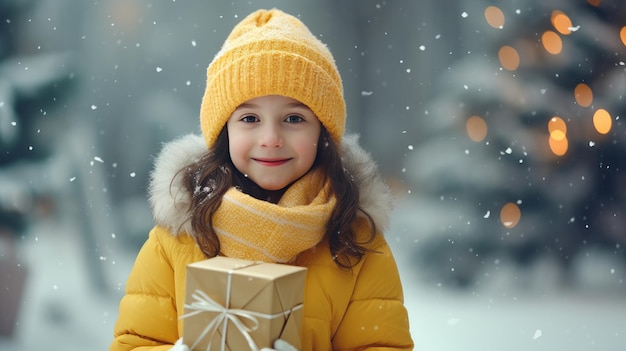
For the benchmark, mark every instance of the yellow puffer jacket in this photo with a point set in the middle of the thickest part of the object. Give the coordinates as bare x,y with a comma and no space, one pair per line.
358,309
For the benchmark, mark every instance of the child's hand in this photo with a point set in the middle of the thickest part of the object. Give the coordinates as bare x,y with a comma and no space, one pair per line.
280,345
179,346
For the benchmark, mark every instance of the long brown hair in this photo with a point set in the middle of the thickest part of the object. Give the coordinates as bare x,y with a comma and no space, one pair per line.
214,173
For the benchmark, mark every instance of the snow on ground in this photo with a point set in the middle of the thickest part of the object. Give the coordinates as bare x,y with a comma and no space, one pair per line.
444,321
62,311
505,319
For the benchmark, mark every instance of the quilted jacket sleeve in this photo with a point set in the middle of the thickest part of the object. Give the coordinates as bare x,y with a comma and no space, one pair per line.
147,313
376,318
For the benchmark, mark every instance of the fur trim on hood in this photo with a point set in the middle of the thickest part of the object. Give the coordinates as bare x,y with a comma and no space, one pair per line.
170,200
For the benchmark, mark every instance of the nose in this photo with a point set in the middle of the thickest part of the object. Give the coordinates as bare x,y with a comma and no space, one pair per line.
270,136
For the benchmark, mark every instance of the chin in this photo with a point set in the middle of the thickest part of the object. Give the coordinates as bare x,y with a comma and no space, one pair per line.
273,187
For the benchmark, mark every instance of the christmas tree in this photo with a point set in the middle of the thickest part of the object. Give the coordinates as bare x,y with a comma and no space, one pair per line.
526,158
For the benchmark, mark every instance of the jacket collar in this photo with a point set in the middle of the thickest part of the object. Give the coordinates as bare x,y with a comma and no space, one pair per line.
170,200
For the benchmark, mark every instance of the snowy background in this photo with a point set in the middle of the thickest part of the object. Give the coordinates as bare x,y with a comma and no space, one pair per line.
508,232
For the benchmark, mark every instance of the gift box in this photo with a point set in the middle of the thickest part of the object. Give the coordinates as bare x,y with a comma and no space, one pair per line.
237,305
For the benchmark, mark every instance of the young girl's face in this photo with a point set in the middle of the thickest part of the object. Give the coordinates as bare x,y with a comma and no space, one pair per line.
273,140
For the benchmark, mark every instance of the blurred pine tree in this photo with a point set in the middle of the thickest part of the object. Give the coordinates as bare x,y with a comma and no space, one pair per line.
32,84
526,159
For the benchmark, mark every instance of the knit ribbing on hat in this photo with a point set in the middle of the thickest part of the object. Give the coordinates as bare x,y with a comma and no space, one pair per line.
272,53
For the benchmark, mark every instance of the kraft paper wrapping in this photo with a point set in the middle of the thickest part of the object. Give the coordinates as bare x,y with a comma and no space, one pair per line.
236,305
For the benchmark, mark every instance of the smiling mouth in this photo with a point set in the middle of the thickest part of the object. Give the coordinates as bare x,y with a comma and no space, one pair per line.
271,162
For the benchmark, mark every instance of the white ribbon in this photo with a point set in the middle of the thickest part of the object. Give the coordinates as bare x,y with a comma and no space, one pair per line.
204,303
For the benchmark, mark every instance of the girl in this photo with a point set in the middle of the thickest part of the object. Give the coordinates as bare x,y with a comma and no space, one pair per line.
271,179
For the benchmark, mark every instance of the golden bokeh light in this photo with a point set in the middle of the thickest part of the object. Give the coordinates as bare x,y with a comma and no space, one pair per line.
509,58
595,3
557,124
510,215
561,22
622,35
558,146
583,95
552,42
558,135
476,128
494,17
602,121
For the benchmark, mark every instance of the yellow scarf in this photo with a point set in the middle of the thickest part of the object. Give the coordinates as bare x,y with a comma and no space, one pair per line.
258,230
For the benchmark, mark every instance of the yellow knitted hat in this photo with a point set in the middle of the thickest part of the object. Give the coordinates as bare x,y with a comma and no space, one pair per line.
272,53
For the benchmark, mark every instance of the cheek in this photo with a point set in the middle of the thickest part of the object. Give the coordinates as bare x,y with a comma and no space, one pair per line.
309,150
237,149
